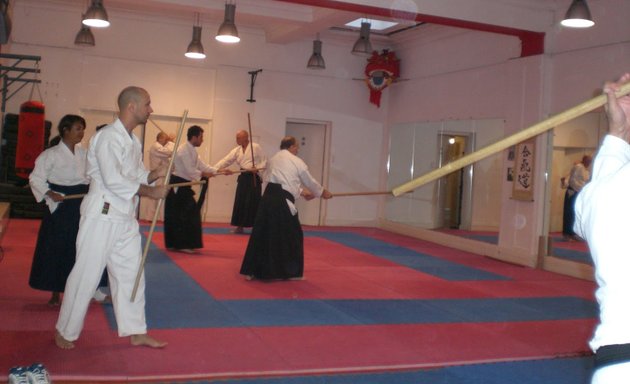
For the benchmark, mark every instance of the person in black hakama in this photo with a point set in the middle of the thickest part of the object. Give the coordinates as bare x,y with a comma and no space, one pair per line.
59,171
276,246
182,213
250,159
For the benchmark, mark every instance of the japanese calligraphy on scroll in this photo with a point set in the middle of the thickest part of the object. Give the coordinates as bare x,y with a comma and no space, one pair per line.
523,183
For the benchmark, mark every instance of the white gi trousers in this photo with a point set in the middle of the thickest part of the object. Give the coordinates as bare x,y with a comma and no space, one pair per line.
100,243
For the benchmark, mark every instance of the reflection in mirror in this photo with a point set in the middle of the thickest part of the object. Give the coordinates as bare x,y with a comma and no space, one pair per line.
571,141
464,203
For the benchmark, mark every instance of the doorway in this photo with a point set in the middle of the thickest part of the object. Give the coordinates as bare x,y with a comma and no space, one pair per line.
454,189
313,138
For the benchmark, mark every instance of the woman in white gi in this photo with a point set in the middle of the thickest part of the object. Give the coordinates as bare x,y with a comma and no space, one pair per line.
59,171
601,217
109,234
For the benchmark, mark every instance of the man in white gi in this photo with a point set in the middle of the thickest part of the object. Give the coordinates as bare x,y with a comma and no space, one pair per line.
602,210
161,151
250,158
276,247
182,214
159,155
109,232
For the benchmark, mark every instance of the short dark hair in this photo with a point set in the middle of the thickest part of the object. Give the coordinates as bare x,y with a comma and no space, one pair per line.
287,142
194,131
67,122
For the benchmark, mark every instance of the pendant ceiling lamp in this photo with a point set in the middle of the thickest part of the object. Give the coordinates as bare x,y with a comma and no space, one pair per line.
96,15
363,47
227,31
578,15
195,48
84,37
316,61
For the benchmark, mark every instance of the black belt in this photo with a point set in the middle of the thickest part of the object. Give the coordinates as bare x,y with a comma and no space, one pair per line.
612,354
69,189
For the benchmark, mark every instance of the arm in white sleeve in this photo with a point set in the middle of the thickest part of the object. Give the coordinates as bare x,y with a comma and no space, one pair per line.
261,159
38,179
309,182
228,160
613,154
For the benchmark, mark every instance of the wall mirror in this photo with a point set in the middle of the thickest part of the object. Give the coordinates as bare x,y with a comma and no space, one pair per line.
465,203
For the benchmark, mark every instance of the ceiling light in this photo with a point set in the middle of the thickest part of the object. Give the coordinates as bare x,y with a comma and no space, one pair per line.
195,48
316,61
227,31
363,47
96,15
85,37
375,25
578,15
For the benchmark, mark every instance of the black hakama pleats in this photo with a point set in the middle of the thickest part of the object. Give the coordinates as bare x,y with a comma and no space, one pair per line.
55,251
182,218
246,200
276,246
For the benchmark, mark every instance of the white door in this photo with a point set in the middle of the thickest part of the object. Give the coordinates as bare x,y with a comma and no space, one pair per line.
312,140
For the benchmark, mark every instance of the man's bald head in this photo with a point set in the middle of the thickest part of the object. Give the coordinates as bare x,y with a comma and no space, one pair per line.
242,138
131,94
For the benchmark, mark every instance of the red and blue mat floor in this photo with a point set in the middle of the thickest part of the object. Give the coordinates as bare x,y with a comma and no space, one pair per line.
373,304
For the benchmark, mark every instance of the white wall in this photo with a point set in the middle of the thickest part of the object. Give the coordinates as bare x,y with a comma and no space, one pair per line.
474,75
148,52
452,74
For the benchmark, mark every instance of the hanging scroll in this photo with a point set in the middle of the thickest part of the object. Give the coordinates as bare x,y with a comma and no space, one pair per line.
523,183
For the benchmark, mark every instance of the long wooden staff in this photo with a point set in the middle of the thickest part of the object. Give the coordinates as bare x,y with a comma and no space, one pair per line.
507,142
157,126
361,193
251,145
167,178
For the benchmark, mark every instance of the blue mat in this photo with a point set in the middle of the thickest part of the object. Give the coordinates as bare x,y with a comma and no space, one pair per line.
169,284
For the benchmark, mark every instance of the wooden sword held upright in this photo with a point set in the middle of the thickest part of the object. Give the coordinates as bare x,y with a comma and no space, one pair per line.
167,178
251,145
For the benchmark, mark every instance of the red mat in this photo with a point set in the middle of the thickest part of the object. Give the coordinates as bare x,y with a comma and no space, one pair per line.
27,326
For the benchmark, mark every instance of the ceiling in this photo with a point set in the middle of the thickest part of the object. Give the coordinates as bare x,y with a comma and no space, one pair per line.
286,21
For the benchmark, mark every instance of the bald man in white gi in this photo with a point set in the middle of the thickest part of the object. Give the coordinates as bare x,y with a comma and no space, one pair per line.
159,156
109,233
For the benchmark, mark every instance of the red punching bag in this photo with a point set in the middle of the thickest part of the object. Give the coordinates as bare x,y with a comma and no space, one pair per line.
31,131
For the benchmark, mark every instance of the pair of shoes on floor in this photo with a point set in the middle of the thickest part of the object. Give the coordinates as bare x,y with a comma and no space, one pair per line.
35,374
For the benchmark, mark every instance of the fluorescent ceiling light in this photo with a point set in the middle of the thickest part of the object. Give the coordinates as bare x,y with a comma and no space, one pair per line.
376,25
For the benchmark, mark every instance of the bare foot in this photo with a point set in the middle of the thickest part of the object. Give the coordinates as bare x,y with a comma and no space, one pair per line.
63,343
146,340
54,299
